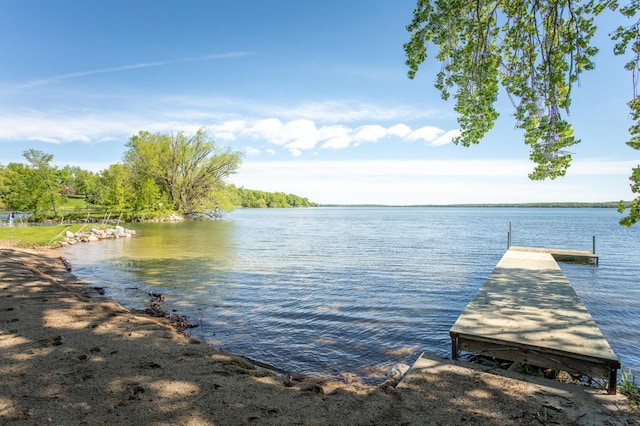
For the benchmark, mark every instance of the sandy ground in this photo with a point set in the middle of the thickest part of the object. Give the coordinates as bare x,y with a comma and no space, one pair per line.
68,357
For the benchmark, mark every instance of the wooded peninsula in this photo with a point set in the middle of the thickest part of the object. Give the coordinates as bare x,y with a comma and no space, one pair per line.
161,175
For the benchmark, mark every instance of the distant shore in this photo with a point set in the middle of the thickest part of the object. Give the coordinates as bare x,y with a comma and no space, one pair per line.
598,205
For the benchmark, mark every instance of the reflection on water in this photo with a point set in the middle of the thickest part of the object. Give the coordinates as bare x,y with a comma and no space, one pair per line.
328,290
181,241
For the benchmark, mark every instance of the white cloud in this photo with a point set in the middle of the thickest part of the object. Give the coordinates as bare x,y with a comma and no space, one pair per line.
300,135
337,142
344,111
55,128
327,132
251,151
303,134
269,128
369,133
228,129
46,140
601,166
426,133
401,130
446,138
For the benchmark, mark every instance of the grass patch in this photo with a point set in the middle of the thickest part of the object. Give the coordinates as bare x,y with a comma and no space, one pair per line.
630,388
40,236
76,204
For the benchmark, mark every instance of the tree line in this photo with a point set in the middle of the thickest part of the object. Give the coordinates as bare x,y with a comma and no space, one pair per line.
160,174
258,199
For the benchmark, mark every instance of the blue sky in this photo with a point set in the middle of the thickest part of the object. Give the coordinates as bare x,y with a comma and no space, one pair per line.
314,93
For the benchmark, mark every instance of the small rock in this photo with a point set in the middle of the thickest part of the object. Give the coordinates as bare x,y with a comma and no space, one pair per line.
397,371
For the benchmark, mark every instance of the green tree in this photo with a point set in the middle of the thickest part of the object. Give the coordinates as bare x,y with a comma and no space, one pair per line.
224,198
148,195
16,193
47,180
34,187
66,181
7,177
278,199
260,199
536,51
114,189
191,170
79,181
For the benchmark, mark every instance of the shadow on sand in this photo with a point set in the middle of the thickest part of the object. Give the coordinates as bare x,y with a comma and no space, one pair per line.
68,357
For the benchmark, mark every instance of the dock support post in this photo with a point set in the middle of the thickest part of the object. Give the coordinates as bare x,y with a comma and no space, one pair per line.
613,380
454,345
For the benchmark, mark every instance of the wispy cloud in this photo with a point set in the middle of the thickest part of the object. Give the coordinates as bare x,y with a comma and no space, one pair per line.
57,128
339,110
57,78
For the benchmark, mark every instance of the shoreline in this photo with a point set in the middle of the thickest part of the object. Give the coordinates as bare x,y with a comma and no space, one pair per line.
70,357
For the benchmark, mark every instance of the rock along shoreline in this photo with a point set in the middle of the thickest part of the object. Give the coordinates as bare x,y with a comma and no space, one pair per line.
95,234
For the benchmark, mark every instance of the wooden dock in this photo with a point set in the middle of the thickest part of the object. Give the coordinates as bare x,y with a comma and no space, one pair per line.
563,254
527,312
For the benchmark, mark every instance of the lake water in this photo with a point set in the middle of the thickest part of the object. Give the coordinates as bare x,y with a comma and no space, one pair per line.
326,291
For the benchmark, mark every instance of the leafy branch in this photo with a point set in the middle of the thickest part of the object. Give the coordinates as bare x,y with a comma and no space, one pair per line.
536,51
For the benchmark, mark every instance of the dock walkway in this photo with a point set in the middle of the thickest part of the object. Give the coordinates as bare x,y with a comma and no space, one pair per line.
527,312
563,254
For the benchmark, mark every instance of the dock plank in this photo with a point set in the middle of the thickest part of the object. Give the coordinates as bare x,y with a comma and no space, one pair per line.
528,310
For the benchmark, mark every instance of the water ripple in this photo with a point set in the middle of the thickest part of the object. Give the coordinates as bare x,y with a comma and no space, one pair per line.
324,291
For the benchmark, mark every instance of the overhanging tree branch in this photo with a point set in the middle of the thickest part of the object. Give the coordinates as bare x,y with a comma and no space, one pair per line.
537,54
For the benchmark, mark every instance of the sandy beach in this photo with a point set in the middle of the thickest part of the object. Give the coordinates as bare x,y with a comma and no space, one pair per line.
69,356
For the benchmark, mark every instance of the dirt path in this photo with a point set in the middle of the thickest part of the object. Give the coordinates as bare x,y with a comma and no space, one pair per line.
68,357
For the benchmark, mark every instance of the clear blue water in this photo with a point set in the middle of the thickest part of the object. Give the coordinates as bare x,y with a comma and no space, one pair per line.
325,291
